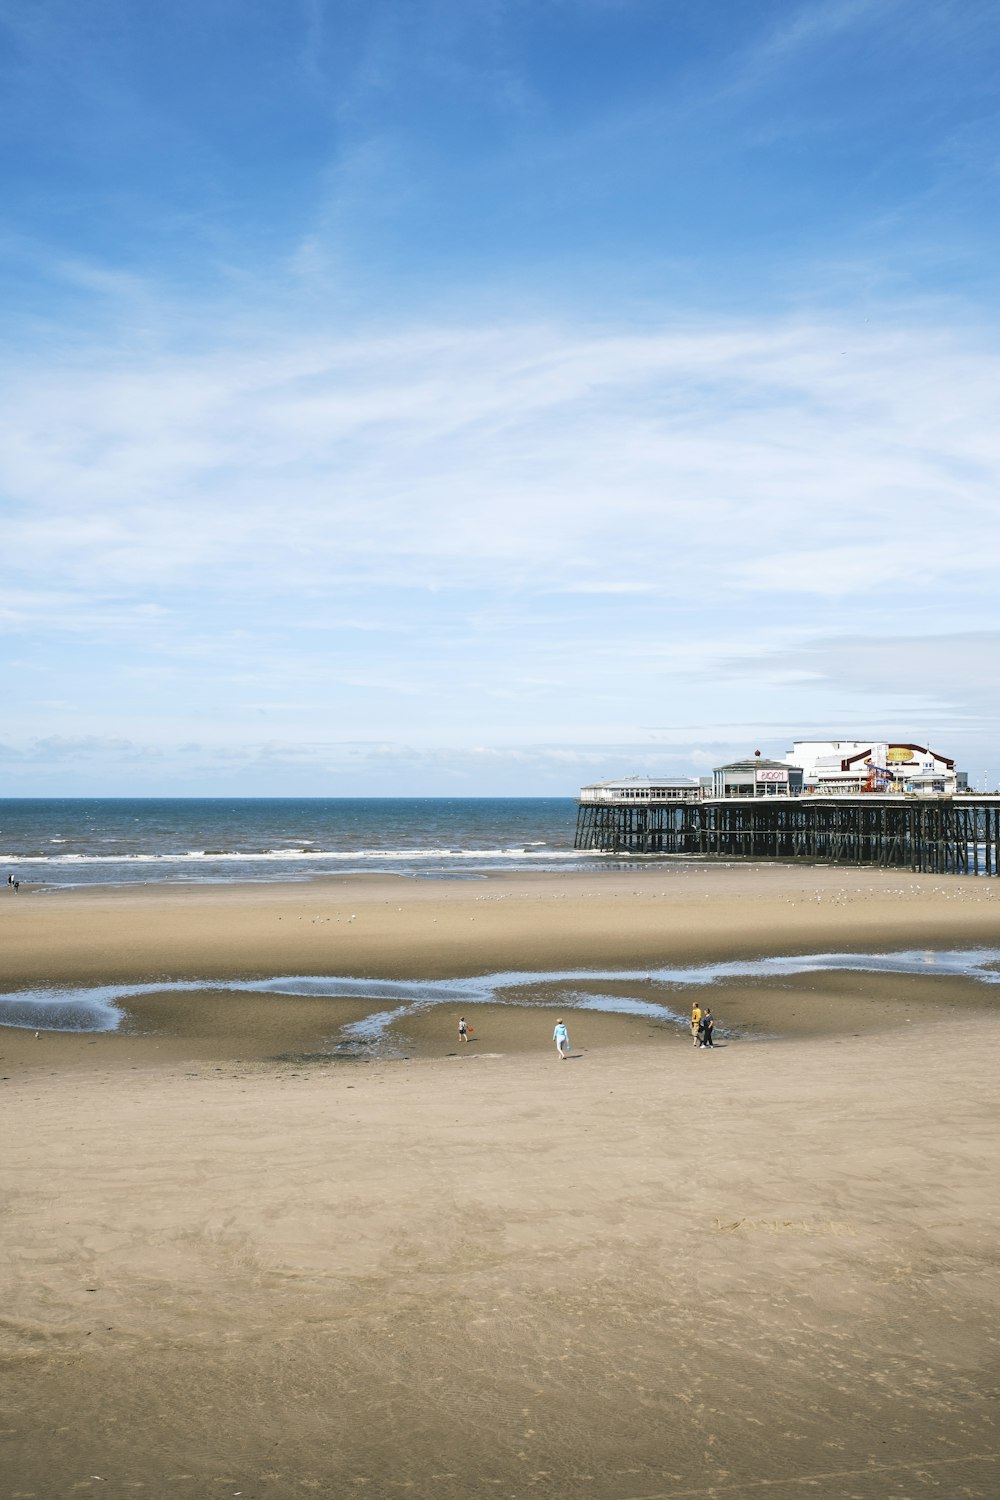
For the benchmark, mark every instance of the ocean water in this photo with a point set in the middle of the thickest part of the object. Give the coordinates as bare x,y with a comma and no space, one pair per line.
116,841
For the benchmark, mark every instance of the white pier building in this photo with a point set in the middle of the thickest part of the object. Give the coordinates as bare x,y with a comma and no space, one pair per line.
817,768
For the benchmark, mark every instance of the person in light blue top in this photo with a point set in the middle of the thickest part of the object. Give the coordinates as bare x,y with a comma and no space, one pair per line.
561,1038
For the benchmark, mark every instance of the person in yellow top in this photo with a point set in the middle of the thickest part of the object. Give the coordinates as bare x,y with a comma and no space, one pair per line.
696,1023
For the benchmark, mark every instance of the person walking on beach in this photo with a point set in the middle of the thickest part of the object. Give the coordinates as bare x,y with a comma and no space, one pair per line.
463,1029
707,1029
695,1024
561,1038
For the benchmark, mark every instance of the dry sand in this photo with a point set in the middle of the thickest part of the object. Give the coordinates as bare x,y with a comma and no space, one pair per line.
648,1272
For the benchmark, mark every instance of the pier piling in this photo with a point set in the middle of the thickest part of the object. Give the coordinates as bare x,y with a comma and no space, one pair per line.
943,836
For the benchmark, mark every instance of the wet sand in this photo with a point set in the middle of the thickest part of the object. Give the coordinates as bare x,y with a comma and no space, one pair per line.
396,928
232,1265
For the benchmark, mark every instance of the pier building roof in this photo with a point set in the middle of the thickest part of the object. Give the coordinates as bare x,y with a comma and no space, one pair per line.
644,789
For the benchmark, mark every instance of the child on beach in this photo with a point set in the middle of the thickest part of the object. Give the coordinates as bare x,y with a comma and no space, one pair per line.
463,1029
561,1038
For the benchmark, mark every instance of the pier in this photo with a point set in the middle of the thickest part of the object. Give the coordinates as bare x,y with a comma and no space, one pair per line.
941,835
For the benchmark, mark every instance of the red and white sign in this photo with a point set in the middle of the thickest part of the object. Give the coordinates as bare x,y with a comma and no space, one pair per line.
769,775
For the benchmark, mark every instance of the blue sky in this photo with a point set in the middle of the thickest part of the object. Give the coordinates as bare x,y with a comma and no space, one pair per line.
482,396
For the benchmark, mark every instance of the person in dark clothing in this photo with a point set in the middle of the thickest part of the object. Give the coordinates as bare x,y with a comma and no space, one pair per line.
707,1029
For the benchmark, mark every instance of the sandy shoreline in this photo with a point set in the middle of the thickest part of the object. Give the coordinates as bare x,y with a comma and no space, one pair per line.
385,928
395,928
648,1272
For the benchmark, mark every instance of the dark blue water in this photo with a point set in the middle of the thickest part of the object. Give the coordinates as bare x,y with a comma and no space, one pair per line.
86,841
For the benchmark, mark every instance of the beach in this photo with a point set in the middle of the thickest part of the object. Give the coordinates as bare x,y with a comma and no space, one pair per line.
237,1261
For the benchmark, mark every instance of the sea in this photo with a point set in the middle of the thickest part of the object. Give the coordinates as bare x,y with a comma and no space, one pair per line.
59,842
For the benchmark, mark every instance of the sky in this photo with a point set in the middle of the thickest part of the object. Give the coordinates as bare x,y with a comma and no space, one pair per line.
483,397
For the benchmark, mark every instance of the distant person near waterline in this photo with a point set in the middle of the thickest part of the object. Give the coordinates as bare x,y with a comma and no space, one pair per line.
707,1029
463,1029
695,1024
561,1038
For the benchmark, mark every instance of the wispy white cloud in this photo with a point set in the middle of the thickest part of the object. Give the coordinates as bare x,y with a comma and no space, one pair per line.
954,672
807,26
115,765
489,534
812,458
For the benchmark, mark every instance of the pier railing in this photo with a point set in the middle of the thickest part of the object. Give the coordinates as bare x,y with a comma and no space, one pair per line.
939,836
